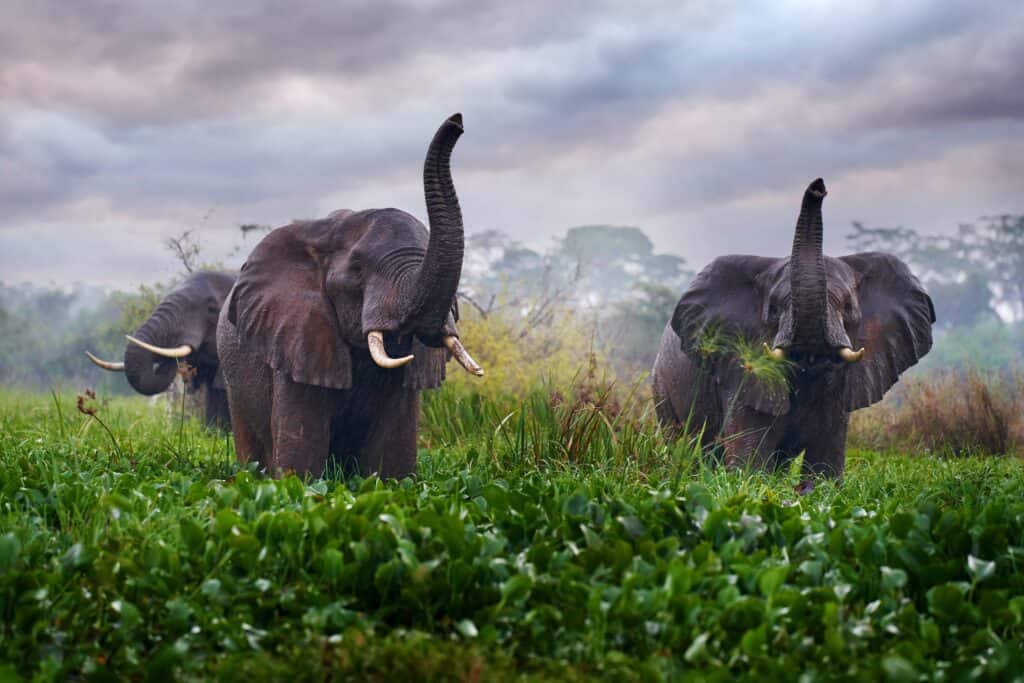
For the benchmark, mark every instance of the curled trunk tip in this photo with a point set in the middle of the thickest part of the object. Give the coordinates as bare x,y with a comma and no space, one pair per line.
815,192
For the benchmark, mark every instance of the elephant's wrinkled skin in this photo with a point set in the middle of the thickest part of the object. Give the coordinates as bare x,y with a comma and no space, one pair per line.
814,310
296,333
187,316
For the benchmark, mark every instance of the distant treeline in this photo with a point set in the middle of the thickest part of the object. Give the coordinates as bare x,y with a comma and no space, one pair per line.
599,289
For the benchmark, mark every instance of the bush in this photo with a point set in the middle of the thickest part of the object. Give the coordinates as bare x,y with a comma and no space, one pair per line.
518,358
947,412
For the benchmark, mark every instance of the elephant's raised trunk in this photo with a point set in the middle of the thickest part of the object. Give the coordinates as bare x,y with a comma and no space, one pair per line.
438,276
808,289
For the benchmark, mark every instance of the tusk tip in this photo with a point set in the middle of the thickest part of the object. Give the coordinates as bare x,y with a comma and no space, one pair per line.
851,356
105,364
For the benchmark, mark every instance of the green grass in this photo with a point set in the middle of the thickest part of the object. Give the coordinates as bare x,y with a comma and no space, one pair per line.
544,539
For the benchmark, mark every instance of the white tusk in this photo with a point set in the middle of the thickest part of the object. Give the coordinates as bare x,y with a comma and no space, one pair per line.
106,364
178,352
375,340
777,353
461,355
849,355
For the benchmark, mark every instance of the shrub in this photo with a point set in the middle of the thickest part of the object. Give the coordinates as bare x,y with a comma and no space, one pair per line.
518,357
947,412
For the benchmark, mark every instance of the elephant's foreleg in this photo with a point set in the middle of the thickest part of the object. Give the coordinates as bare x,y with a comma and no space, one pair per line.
217,414
749,439
390,447
300,427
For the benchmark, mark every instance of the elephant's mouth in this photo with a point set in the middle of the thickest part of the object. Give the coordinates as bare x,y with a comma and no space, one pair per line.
816,357
380,356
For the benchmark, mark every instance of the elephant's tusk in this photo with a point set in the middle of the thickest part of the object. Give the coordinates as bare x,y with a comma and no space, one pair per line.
177,352
778,353
849,355
375,340
106,364
461,355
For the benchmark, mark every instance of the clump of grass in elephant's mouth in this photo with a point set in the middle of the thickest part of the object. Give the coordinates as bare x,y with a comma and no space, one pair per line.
772,374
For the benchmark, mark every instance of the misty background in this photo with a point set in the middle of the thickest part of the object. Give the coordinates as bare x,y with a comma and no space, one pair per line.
610,152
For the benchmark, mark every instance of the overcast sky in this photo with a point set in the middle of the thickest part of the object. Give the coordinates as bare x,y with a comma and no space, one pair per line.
701,122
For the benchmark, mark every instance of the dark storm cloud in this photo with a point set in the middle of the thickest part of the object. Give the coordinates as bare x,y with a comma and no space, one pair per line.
139,118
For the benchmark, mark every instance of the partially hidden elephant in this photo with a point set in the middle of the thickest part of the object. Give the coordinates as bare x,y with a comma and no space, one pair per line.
182,328
844,328
335,326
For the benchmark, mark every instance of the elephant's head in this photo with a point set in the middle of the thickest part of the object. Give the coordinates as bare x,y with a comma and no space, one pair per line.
182,327
313,292
860,319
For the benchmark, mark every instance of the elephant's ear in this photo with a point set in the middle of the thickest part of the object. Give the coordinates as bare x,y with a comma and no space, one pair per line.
724,302
281,310
895,327
726,299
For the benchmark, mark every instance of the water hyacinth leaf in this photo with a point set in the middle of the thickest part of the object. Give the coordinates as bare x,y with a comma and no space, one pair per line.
698,649
576,505
76,557
466,628
10,548
633,526
813,569
946,602
893,579
129,614
192,534
899,670
771,579
516,588
980,570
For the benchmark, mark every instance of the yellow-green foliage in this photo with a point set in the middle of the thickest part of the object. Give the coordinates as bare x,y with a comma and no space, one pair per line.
517,358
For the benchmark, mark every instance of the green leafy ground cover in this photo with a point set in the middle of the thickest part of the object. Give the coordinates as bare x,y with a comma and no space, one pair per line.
546,543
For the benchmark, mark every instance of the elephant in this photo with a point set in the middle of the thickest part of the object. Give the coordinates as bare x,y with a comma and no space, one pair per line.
334,327
182,328
808,312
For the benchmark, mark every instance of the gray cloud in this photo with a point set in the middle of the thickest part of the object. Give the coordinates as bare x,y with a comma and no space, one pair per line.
127,122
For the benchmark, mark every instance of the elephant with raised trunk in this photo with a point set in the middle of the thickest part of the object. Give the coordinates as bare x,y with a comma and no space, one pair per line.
182,328
334,327
844,328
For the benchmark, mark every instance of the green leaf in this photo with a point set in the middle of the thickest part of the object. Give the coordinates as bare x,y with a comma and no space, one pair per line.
770,579
979,569
10,548
898,669
576,505
698,648
192,534
633,526
893,579
466,628
516,588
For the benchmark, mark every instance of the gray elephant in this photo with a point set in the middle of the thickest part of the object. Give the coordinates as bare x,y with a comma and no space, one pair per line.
334,327
811,312
182,328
